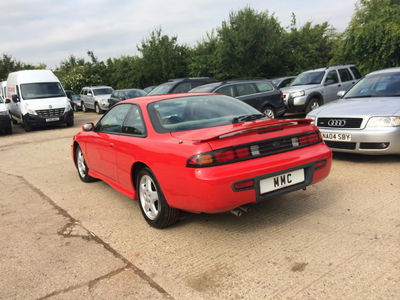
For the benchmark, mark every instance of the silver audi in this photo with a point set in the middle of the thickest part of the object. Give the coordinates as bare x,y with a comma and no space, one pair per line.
367,119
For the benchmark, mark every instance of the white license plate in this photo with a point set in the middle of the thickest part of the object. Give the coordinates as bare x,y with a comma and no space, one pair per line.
52,119
281,181
336,136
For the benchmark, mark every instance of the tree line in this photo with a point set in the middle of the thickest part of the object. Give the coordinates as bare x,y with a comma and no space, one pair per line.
249,44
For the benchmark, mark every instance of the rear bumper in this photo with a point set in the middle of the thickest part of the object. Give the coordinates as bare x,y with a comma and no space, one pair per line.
36,121
211,190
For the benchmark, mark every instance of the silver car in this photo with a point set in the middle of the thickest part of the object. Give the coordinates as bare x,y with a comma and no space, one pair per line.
367,119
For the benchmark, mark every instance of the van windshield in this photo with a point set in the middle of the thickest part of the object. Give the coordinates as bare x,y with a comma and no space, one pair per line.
41,90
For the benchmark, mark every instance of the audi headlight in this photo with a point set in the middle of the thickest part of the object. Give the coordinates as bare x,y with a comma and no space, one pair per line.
297,94
384,122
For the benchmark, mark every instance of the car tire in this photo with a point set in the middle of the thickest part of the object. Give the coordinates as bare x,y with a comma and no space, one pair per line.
153,205
314,103
75,107
80,163
9,129
70,121
84,109
269,112
27,127
98,109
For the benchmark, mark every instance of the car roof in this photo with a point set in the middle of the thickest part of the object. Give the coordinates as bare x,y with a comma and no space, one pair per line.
97,87
388,70
154,98
329,68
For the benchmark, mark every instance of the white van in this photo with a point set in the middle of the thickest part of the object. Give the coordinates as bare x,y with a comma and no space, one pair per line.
5,120
38,99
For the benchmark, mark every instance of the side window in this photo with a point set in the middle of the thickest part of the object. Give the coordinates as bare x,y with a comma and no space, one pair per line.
228,90
182,87
264,86
345,75
113,120
356,73
286,82
134,122
332,77
245,89
114,94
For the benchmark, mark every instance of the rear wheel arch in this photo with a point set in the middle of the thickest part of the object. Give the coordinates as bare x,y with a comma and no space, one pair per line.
135,169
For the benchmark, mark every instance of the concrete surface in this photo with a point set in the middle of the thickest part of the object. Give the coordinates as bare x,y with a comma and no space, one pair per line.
64,239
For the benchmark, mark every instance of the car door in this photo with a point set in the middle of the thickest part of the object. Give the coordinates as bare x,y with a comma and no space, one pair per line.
246,92
84,96
100,146
332,86
90,98
347,79
130,144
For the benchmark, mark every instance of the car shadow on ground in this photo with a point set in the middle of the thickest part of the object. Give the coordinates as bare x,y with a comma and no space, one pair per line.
361,158
273,212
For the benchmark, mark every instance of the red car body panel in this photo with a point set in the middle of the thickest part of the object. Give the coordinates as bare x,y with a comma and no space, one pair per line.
111,158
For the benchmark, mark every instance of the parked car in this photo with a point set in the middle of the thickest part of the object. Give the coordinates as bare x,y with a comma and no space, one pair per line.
198,153
74,100
95,97
367,119
119,95
38,99
149,88
282,82
5,118
180,85
313,88
261,94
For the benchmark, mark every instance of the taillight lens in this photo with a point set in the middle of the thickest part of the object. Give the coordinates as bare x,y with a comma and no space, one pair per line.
244,152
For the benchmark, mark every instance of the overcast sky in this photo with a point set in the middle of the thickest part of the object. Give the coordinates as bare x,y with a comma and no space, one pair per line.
48,31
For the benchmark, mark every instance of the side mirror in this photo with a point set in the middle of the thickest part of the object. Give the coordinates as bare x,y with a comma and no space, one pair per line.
8,101
88,127
340,94
15,98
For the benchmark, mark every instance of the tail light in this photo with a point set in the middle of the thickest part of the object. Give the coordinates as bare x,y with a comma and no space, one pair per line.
282,96
249,151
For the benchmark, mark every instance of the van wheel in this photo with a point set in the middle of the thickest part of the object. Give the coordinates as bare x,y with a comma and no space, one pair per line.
314,103
9,129
70,122
84,109
269,112
98,109
75,107
83,170
27,126
153,205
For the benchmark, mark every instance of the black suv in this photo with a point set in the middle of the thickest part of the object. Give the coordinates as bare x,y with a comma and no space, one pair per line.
180,85
262,94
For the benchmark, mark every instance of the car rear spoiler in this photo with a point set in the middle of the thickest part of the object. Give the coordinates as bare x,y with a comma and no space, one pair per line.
247,127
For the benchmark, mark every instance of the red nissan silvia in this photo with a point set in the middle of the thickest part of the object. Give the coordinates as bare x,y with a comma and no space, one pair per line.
198,153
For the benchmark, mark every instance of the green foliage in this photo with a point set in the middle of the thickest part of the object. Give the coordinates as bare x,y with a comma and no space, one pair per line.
309,46
372,39
162,58
203,61
250,45
8,64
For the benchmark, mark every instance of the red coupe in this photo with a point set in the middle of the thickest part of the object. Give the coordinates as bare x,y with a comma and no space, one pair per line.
199,153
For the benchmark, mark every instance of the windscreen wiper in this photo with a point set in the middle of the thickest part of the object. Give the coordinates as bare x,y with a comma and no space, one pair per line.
246,118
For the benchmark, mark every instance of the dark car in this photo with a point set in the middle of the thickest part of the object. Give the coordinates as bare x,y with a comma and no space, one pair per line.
180,85
281,82
119,95
74,100
263,95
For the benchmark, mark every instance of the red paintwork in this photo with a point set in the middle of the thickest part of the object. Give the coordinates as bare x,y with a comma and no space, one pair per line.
112,157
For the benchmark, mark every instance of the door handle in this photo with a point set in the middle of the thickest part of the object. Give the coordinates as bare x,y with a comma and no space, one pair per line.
339,85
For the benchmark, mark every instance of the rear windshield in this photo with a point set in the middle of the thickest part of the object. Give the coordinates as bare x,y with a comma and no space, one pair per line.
196,112
102,91
164,88
379,85
41,90
308,78
205,88
135,93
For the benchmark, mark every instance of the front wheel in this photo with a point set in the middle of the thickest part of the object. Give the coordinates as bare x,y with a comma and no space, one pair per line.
83,170
153,205
98,109
314,103
269,112
27,126
84,109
